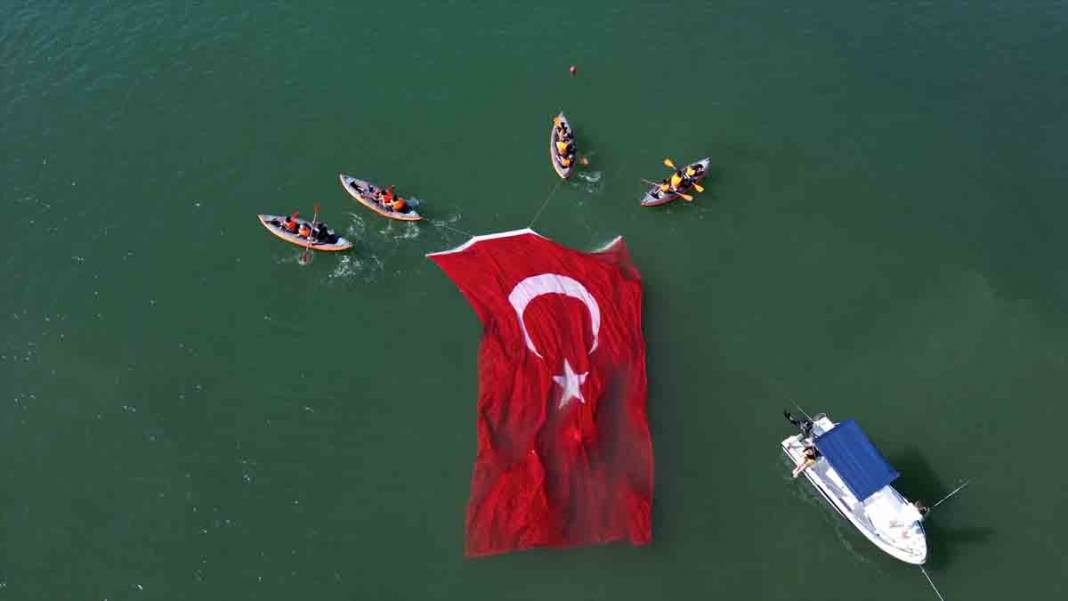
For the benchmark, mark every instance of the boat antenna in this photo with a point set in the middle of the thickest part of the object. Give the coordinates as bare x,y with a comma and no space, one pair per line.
955,491
931,582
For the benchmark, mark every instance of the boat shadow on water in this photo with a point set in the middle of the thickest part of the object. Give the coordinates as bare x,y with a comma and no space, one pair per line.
920,481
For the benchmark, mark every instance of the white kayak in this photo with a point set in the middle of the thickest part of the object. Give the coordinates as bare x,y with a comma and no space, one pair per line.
881,514
333,243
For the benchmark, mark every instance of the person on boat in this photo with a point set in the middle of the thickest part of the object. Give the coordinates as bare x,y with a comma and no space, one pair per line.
694,169
322,233
324,236
921,509
810,456
679,180
387,198
399,205
805,425
305,231
291,223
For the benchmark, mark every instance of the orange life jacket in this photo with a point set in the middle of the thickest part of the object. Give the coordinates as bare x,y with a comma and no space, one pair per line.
291,225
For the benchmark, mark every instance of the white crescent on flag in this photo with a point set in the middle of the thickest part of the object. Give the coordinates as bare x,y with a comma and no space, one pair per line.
552,283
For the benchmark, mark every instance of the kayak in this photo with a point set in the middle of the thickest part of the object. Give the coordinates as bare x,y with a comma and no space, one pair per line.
364,193
654,197
554,156
269,222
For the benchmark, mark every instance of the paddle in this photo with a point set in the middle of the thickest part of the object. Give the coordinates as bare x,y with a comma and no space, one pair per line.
670,165
304,255
681,195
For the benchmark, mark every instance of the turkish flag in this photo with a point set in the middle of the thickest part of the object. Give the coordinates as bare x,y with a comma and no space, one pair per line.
564,454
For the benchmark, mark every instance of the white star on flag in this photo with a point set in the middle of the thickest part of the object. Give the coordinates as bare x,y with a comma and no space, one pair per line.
570,383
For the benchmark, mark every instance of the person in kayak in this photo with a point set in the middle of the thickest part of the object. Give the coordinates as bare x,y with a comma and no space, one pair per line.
323,235
565,149
810,456
387,198
694,169
322,232
305,231
291,223
399,205
561,128
679,180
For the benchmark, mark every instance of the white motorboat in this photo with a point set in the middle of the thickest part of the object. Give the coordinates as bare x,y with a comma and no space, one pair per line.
854,477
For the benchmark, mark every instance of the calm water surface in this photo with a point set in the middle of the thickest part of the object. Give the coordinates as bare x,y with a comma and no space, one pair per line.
187,413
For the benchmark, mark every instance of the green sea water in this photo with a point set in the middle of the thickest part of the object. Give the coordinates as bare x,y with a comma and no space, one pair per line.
189,413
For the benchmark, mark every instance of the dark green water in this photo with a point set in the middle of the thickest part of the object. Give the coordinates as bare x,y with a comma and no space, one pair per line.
190,414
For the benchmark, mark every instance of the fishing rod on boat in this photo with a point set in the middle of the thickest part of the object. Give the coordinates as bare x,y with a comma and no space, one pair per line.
803,412
955,491
931,582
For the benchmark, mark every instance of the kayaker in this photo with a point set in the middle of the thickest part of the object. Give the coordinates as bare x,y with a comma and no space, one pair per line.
663,186
322,232
561,129
805,425
810,455
679,180
387,198
305,230
399,205
291,223
325,236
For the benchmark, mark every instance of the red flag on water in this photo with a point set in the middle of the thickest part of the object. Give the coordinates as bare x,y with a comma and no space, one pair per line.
564,454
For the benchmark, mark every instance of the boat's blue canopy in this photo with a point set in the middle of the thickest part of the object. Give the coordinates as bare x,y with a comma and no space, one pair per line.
861,466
